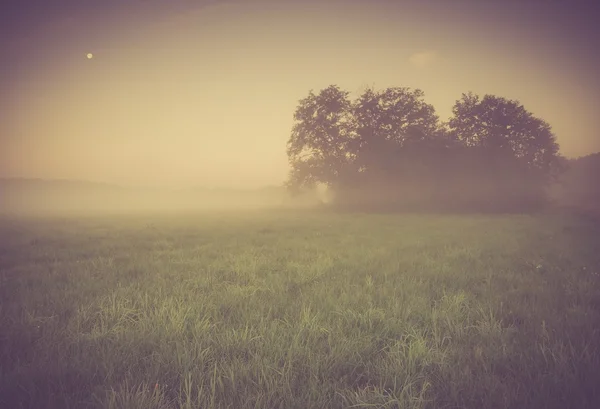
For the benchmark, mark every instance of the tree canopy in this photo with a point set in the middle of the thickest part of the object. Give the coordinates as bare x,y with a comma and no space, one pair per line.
319,148
500,124
389,148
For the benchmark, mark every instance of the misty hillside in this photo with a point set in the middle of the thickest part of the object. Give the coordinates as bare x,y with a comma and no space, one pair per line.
39,195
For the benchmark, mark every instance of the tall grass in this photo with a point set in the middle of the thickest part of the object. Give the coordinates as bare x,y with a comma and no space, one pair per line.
300,310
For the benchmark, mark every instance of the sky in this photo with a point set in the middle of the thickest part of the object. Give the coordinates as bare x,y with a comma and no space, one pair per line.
184,93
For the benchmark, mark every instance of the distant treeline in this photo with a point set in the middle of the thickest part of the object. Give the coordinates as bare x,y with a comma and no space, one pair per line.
579,185
387,149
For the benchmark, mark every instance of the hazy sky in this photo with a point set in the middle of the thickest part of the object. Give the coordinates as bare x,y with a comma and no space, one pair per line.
197,92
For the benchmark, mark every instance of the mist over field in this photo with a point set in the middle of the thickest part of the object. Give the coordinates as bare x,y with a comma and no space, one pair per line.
55,197
577,188
317,204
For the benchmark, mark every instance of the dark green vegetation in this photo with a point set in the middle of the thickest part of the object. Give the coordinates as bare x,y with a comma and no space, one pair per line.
300,310
388,149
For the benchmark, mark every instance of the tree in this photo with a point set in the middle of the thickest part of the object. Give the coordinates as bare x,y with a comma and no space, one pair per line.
388,121
396,136
499,125
519,151
318,148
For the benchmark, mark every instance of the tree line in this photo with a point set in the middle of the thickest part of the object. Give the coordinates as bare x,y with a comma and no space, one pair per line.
388,149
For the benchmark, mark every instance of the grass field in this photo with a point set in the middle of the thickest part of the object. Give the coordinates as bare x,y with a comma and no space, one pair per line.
300,310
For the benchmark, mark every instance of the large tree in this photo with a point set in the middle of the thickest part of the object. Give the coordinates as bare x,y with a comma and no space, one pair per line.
388,121
395,128
503,125
517,152
318,148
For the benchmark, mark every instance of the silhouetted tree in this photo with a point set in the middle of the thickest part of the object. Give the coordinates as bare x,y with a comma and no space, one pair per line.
519,153
388,148
389,122
505,125
318,149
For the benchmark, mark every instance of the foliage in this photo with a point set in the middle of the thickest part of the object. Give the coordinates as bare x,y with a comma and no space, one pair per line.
502,126
318,149
388,148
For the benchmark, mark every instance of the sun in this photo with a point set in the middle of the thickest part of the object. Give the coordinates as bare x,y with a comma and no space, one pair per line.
89,56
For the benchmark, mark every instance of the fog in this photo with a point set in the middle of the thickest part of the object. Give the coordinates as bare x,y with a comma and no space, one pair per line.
51,197
181,94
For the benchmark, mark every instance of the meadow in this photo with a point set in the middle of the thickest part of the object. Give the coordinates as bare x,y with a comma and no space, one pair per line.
299,309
